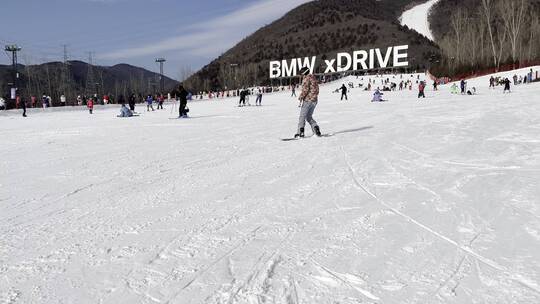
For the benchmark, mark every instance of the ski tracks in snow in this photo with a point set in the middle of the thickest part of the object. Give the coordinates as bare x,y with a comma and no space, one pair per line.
516,277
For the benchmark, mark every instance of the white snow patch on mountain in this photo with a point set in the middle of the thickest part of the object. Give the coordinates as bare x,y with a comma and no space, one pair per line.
416,18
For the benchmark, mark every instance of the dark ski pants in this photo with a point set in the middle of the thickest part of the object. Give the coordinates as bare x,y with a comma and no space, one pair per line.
182,110
148,107
306,114
160,106
242,101
421,94
258,100
344,95
24,110
132,107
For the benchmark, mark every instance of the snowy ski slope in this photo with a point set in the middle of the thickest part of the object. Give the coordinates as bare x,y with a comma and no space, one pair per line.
416,18
430,201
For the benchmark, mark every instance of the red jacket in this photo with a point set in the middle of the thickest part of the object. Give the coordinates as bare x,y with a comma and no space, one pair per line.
90,104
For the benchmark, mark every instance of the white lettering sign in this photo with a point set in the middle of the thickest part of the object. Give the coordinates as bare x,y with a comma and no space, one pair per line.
358,60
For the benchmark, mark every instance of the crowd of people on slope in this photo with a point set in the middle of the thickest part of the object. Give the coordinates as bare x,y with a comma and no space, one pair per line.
388,83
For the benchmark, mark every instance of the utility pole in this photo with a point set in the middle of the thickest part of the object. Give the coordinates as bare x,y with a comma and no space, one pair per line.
161,79
15,84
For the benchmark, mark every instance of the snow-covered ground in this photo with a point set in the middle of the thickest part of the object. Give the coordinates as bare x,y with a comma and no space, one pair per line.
410,201
416,18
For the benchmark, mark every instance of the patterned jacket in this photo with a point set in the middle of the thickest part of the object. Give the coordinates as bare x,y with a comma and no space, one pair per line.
310,89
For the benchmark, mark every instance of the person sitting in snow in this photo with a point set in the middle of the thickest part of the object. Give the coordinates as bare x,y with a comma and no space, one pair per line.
454,89
377,96
125,111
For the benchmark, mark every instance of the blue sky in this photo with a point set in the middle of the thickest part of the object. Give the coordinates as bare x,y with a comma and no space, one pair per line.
186,33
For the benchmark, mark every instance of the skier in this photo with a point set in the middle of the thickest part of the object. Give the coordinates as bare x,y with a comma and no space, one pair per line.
182,95
132,100
242,101
506,85
90,105
21,103
421,88
344,92
45,101
258,101
149,102
463,86
309,99
160,101
435,84
491,82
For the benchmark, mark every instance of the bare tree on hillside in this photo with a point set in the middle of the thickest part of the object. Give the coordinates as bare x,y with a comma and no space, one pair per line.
487,12
534,35
513,14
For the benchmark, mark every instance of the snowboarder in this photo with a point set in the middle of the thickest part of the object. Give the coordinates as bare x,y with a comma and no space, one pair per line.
149,102
90,105
182,96
309,99
463,86
421,88
344,92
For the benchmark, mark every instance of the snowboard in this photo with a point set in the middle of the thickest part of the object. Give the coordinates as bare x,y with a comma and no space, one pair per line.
299,138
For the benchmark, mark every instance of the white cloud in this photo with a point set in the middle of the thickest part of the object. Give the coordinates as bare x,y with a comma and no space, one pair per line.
214,36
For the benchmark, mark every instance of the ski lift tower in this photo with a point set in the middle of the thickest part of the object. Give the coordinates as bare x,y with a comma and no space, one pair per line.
13,49
161,79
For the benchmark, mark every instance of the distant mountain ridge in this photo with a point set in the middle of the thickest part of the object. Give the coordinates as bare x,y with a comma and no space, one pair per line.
115,80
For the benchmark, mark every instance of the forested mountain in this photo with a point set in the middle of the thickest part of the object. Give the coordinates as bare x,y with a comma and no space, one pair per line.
321,28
